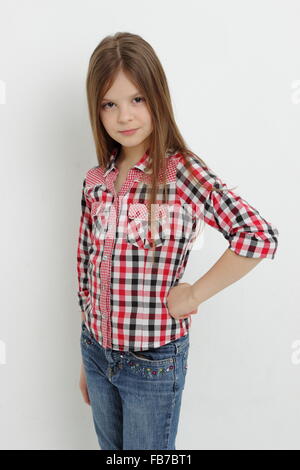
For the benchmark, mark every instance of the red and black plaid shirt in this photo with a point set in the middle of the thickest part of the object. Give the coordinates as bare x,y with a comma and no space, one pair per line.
122,292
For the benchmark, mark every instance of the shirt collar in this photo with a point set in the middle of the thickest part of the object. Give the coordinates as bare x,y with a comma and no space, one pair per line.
141,164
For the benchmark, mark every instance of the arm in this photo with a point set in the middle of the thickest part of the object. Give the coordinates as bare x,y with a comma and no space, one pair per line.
84,243
229,268
250,237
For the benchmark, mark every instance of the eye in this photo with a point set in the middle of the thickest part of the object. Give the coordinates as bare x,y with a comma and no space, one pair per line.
110,102
139,98
104,105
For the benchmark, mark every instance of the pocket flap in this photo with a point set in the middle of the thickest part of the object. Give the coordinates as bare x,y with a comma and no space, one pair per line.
97,208
140,211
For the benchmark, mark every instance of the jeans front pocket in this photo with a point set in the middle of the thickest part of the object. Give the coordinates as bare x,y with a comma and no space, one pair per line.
161,355
154,357
152,365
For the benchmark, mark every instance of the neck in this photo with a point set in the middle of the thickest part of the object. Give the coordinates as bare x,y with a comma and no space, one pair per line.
127,158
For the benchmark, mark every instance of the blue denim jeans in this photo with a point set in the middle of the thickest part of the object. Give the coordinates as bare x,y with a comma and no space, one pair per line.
135,396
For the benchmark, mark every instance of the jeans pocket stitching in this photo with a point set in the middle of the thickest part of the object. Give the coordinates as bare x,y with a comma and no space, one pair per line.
151,369
168,360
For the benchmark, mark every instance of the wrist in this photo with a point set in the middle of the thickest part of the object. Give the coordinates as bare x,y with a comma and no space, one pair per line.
195,295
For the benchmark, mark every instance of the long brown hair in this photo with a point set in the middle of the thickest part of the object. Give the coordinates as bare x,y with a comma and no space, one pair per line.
135,57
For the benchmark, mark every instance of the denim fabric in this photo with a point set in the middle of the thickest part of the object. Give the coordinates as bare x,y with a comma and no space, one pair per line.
135,396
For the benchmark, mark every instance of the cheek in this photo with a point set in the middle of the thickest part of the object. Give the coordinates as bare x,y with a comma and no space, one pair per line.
146,117
106,121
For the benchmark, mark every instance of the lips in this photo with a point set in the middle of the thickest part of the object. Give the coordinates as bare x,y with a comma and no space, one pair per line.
129,132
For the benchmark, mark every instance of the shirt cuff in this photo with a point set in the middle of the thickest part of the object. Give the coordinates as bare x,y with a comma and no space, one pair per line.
255,245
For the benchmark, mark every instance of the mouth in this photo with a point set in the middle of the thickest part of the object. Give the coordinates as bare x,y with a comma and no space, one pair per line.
128,131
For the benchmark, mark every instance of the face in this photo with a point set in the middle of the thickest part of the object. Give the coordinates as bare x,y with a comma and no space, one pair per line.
124,108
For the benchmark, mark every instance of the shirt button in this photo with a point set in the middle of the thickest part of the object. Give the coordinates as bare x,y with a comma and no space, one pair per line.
103,316
105,257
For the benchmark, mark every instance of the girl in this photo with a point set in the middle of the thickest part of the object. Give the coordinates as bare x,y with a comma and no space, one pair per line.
142,207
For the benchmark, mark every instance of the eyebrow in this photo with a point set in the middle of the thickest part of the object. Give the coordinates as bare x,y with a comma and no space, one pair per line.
131,96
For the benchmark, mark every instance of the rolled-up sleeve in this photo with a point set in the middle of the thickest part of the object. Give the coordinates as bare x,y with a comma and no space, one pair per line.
248,233
84,243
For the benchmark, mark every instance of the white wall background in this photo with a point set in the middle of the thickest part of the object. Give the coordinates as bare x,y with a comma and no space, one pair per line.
234,72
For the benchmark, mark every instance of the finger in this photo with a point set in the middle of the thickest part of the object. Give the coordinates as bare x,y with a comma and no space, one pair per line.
188,314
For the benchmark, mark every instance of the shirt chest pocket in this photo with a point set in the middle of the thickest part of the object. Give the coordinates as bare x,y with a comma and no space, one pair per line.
100,215
138,226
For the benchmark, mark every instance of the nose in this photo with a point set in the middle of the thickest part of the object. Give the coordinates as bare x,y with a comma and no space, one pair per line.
124,115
